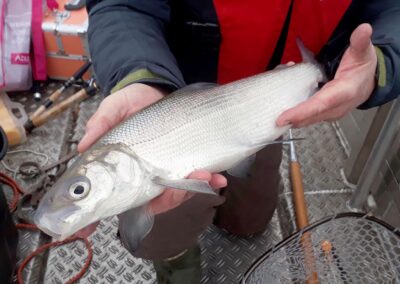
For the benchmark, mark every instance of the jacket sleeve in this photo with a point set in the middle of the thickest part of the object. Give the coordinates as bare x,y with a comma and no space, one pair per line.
127,44
384,16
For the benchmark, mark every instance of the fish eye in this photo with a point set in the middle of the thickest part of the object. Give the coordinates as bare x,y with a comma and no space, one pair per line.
79,190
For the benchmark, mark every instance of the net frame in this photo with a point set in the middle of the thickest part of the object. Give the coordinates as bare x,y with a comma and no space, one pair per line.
298,237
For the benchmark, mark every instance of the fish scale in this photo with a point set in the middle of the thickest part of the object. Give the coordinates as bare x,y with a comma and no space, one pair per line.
197,127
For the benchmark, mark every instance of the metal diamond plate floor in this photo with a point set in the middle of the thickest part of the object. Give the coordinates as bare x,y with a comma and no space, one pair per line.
225,257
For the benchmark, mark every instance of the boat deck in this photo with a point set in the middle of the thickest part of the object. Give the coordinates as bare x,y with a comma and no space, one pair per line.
225,257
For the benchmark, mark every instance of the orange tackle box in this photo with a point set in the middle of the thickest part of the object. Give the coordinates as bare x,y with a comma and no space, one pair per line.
65,36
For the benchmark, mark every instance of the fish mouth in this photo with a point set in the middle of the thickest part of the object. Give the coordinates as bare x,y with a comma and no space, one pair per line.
60,233
50,233
47,226
54,224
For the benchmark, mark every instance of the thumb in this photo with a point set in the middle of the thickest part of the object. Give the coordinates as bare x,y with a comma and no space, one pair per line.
360,41
96,127
110,112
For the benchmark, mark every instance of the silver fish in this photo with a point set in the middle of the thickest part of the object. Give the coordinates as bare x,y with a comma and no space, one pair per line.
212,128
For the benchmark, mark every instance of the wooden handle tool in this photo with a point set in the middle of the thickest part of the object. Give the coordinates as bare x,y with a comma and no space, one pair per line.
300,208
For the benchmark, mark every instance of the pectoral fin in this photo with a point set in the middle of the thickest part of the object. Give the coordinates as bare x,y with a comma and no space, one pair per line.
242,169
192,185
134,225
197,87
284,141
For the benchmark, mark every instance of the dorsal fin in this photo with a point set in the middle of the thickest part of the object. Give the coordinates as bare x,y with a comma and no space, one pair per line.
196,87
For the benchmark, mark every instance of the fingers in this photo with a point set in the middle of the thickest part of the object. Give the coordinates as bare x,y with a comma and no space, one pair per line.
95,128
106,117
352,85
172,198
216,181
327,104
168,200
313,108
360,41
329,116
283,66
200,174
117,107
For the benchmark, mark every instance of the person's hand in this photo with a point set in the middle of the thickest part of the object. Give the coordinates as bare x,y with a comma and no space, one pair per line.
172,198
352,85
118,107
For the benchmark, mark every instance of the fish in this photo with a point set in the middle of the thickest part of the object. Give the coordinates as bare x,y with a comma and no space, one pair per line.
201,126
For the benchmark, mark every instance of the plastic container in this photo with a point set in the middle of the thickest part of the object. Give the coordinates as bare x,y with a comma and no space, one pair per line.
13,126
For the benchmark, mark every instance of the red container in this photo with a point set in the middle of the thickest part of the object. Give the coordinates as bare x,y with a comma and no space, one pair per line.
65,35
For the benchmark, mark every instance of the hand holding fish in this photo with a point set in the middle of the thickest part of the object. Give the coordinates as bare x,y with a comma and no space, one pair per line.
116,108
128,101
352,85
162,142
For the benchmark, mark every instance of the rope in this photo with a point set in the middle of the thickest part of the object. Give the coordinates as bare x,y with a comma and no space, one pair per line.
17,191
15,171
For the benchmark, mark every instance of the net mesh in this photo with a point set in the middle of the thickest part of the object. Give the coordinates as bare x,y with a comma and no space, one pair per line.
341,250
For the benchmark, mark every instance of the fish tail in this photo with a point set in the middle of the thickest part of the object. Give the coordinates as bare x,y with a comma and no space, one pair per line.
309,57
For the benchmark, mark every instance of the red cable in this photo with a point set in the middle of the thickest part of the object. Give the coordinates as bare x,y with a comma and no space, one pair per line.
17,191
15,187
26,226
54,244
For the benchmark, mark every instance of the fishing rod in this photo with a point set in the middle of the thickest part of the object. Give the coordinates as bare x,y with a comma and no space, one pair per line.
88,91
56,95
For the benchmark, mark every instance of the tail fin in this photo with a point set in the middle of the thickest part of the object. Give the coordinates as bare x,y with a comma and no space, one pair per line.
306,54
309,57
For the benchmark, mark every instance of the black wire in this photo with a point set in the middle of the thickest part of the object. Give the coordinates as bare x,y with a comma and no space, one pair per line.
280,45
3,143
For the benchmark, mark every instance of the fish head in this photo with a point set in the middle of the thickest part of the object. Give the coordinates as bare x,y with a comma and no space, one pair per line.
102,182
